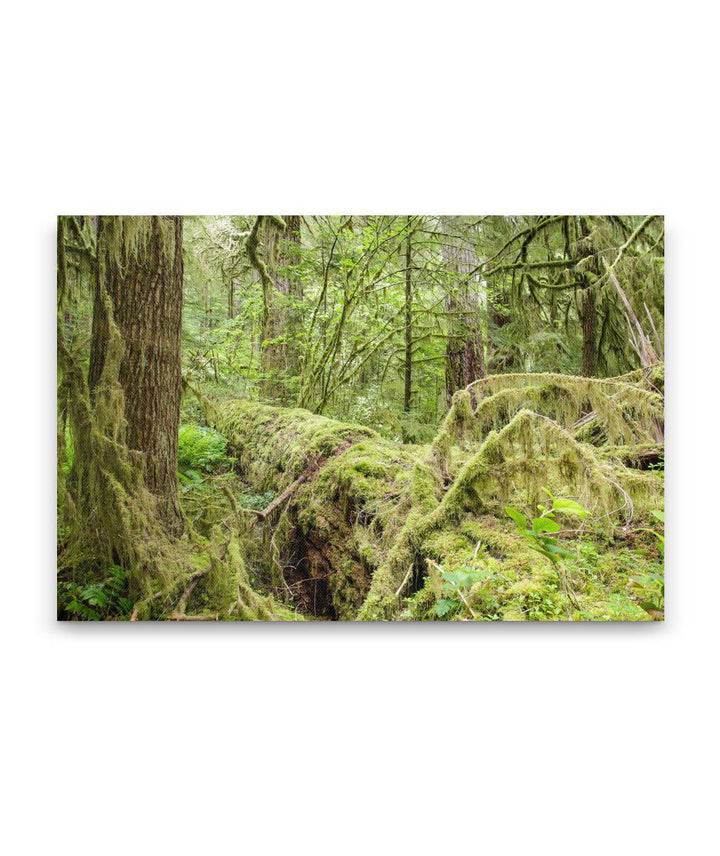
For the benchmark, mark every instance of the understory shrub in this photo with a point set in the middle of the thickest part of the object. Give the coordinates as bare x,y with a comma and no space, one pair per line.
200,450
96,600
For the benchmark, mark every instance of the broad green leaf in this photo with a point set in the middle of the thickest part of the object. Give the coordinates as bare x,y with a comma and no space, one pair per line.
460,578
569,506
545,524
519,518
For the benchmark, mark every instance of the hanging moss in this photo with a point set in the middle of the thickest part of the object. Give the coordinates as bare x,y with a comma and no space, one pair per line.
623,412
126,239
453,430
110,518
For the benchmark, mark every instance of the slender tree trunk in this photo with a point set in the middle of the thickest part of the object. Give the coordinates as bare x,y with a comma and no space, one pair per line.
280,315
408,320
140,269
465,350
588,310
500,358
231,299
589,332
206,323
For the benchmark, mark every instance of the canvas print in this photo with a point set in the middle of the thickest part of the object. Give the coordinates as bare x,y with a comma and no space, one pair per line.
360,418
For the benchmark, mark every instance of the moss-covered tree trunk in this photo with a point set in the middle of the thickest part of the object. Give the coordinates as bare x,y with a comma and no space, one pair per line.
587,270
465,350
140,270
354,495
501,358
407,397
281,294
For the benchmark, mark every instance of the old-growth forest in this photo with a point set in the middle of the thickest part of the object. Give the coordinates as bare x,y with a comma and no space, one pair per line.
353,417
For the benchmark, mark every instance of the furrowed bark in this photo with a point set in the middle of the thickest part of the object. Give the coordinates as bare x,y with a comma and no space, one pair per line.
140,269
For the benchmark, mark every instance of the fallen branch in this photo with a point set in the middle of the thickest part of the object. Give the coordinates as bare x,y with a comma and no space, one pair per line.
404,582
641,343
285,495
185,596
136,608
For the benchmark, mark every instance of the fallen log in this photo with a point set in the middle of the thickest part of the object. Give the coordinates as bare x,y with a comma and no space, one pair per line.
359,516
344,493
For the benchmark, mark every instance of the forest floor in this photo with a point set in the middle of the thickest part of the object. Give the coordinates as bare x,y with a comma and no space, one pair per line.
611,578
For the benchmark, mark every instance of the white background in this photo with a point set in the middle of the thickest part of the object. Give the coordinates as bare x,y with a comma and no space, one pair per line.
358,739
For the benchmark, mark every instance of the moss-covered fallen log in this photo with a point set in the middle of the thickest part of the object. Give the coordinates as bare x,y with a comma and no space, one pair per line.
367,519
340,522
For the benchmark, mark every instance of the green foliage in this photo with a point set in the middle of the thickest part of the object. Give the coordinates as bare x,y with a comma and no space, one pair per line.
658,515
539,533
649,588
200,450
257,501
650,591
96,600
461,586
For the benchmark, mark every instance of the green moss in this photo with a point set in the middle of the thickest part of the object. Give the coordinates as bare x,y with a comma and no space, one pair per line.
623,412
110,517
377,512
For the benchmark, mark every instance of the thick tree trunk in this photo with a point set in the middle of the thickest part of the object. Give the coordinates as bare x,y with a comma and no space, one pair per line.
140,269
